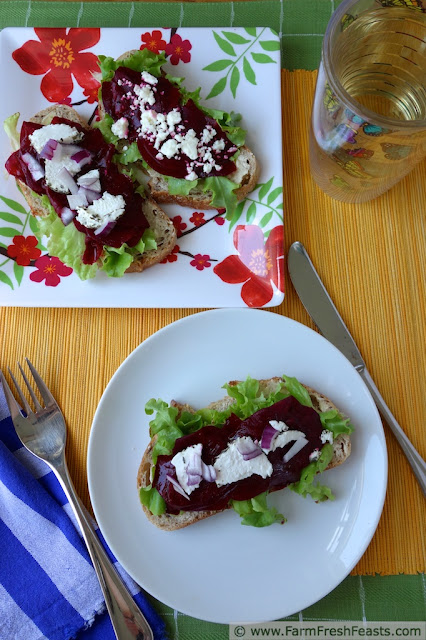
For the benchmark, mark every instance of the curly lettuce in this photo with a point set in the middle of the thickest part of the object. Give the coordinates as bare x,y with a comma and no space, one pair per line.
169,424
221,189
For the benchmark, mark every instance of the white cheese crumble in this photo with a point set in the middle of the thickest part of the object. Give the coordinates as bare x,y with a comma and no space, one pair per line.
120,128
284,438
106,209
53,169
180,462
148,78
60,132
169,148
314,455
278,425
230,465
327,436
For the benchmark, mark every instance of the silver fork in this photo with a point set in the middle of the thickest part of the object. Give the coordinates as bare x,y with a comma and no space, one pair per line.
43,432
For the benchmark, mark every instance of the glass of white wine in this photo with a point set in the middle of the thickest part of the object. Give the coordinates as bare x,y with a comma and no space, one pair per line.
368,126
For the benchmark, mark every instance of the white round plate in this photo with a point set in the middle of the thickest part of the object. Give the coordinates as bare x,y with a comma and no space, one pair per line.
217,569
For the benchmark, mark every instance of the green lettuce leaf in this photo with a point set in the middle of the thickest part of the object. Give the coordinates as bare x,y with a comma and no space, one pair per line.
151,499
104,127
256,513
116,261
11,128
307,485
143,59
64,242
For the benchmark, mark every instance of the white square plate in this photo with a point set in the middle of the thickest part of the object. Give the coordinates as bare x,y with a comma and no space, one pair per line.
237,70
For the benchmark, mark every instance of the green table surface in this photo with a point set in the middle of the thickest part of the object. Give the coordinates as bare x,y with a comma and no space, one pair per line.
301,25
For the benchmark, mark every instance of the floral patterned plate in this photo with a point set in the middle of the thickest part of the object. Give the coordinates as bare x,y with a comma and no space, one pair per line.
215,263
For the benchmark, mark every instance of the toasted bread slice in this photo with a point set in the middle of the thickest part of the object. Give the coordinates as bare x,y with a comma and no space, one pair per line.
158,220
170,522
246,176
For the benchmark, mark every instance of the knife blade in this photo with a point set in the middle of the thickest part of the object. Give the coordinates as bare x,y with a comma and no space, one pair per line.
323,312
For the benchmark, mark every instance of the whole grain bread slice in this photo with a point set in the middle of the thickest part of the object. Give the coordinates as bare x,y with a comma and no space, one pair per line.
170,522
158,220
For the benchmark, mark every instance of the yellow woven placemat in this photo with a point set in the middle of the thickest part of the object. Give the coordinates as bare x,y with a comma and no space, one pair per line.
371,258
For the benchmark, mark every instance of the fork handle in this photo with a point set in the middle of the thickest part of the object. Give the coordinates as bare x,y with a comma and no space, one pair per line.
127,619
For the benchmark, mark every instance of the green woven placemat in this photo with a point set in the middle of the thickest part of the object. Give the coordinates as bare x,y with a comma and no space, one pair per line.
301,23
366,598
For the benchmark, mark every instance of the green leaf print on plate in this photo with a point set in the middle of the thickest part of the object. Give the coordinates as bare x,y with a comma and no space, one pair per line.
243,56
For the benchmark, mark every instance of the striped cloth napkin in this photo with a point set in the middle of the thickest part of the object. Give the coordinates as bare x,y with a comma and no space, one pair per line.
48,586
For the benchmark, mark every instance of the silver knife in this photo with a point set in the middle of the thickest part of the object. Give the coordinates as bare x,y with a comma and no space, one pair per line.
320,307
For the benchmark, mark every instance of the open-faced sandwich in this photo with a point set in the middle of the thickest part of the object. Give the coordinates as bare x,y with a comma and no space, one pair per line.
194,156
93,215
263,436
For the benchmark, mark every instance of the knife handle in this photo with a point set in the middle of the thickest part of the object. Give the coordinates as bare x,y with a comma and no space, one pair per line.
417,463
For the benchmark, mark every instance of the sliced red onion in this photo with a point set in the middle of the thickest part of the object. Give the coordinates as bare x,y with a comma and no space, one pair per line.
268,436
34,166
82,157
193,479
297,446
248,449
67,180
105,228
67,216
49,149
194,462
208,472
90,194
177,486
77,200
90,180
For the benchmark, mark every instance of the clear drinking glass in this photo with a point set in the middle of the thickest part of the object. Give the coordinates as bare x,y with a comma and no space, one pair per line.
368,126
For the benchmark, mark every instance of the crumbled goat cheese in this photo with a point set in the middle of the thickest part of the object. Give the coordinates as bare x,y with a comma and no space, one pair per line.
121,128
283,438
106,209
144,94
314,455
230,465
60,132
189,144
169,148
191,176
218,145
148,78
180,462
327,436
53,169
278,425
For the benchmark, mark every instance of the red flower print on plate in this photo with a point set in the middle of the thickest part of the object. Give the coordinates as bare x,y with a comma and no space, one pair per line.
172,257
24,249
259,264
178,49
197,218
153,41
58,56
50,269
179,225
220,221
201,262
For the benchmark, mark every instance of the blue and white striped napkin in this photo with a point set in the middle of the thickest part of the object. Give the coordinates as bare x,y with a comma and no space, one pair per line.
48,587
